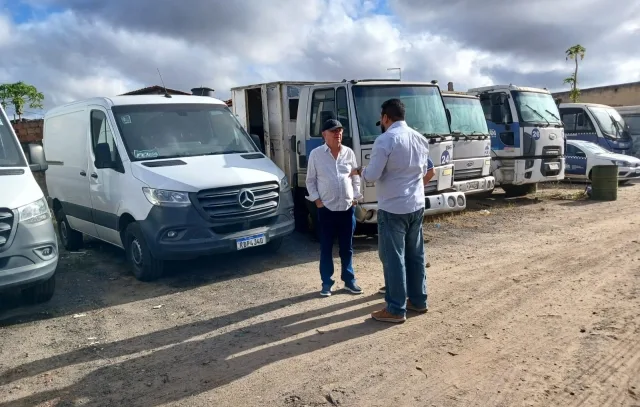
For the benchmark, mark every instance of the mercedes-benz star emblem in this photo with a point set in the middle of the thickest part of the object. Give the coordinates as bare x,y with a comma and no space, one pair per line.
246,199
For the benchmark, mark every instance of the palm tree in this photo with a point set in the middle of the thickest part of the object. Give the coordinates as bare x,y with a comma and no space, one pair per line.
573,53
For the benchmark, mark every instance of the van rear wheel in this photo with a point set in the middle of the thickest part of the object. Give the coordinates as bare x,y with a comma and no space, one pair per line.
41,292
71,239
144,266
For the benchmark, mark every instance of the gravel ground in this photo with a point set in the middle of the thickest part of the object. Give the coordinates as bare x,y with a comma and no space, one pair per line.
532,301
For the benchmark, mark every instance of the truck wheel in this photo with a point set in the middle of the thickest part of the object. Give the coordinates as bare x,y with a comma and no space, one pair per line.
71,239
144,266
41,292
513,191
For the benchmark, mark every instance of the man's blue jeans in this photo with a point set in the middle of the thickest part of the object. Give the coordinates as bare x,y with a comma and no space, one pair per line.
342,224
401,250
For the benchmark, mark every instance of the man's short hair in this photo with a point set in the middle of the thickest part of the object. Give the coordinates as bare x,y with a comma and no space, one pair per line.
394,109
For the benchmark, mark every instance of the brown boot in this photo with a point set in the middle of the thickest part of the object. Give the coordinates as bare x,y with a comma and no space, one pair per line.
385,316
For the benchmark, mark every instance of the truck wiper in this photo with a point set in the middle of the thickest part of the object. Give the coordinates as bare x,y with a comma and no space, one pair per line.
554,116
432,135
539,114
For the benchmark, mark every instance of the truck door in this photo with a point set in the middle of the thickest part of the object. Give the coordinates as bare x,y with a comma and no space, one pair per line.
578,124
505,134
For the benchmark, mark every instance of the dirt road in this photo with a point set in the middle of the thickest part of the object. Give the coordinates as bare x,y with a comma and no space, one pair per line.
536,302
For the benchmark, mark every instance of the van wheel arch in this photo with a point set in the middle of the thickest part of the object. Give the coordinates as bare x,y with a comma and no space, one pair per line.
123,222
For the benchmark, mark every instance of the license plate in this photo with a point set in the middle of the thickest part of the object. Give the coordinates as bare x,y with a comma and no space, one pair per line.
251,241
473,185
554,166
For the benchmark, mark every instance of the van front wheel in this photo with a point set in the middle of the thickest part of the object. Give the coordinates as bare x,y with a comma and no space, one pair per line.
144,266
41,292
71,239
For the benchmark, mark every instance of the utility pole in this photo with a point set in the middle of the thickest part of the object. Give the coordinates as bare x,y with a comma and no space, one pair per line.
396,69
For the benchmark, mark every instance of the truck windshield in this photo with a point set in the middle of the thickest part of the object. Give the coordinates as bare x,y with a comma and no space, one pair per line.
467,116
610,122
424,109
536,108
180,130
10,154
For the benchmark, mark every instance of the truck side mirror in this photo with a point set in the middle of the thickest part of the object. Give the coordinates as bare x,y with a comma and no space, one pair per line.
103,156
448,116
256,140
37,161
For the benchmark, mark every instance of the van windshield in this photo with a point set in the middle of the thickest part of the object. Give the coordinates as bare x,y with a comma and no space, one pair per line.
180,130
467,116
425,111
10,154
610,122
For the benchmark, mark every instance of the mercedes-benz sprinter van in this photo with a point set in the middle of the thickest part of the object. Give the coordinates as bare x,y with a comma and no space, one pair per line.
28,242
164,177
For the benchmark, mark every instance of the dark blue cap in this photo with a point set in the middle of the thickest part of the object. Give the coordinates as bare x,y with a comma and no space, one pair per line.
331,124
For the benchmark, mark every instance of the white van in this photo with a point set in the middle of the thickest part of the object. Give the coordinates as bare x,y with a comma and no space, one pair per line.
164,177
28,242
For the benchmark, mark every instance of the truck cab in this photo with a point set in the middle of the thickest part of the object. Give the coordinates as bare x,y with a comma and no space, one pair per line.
600,124
356,104
527,136
471,144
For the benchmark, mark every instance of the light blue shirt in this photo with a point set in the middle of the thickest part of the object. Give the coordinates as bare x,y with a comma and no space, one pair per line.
399,162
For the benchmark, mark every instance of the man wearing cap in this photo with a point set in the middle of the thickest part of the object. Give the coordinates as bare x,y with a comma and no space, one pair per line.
400,166
334,192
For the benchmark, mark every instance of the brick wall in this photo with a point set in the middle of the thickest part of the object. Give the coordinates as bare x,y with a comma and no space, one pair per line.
29,131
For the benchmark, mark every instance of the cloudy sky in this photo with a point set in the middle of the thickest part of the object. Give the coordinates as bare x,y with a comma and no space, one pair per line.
72,49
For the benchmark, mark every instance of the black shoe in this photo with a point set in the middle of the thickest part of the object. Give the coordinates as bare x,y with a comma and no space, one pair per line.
353,288
382,290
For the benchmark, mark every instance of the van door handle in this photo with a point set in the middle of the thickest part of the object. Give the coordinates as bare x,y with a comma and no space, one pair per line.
94,175
298,147
84,174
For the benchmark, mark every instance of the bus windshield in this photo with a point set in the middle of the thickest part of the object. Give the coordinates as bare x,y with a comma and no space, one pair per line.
610,122
180,130
536,108
425,111
10,154
467,116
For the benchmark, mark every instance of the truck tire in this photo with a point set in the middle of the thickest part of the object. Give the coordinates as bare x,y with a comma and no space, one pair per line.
41,292
513,191
71,239
143,265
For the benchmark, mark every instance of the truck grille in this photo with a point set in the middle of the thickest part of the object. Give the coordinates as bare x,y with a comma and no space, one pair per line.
223,205
6,224
551,151
460,175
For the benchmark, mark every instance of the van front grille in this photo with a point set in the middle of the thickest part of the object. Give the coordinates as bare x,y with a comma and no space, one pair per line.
239,203
6,224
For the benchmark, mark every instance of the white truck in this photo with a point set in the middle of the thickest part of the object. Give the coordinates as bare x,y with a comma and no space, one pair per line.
285,119
471,144
527,136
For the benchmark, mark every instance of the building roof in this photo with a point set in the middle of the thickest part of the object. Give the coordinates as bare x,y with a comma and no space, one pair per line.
155,89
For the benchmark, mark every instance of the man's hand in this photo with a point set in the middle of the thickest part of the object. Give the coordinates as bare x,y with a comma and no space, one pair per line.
319,204
356,171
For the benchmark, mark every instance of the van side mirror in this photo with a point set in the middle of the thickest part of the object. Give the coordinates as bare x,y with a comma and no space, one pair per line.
37,161
258,143
103,156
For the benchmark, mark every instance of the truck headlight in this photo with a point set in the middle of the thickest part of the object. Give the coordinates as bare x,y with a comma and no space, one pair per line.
34,212
161,197
620,163
284,184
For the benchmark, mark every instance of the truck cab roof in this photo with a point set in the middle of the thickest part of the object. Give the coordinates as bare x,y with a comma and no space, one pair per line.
569,105
108,102
509,87
454,93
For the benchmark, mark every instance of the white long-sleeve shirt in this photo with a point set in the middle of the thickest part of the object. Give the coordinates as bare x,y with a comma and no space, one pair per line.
328,178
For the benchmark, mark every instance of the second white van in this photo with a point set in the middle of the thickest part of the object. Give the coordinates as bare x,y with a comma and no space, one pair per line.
164,177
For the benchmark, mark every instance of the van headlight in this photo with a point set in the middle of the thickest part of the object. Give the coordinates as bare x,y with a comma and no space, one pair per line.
620,163
34,212
161,197
284,184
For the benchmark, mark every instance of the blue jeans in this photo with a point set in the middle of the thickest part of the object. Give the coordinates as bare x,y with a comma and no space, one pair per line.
342,224
401,250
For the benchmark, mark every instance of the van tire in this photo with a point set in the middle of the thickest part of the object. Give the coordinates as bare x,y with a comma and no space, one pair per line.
41,292
143,265
72,240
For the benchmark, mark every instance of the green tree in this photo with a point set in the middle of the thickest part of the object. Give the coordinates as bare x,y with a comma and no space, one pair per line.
19,94
575,52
